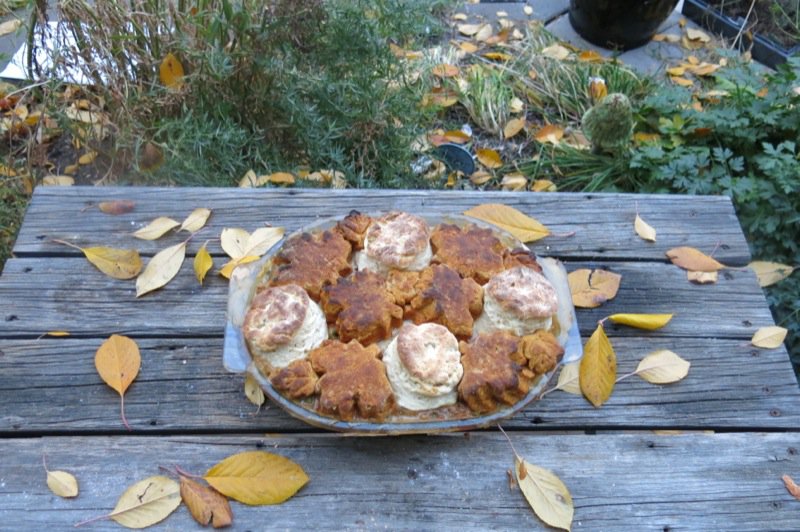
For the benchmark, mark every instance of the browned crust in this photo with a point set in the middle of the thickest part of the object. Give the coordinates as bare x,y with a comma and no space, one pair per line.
361,308
274,316
494,372
520,257
353,382
402,284
541,350
312,261
445,298
472,251
353,228
296,381
396,238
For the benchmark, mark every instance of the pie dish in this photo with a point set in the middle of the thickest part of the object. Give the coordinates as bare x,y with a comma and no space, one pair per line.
408,348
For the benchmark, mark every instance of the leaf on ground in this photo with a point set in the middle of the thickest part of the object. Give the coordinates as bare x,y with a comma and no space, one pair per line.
514,181
546,493
469,29
170,72
592,288
769,337
489,158
543,185
157,228
202,263
253,391
116,207
649,322
206,504
456,136
569,378
147,502
555,51
791,486
644,230
10,26
498,56
693,259
550,134
484,33
257,477
513,126
445,70
87,158
769,273
161,269
116,263
662,367
249,180
522,226
117,361
598,370
58,181
702,277
62,484
281,178
196,220
697,35
151,157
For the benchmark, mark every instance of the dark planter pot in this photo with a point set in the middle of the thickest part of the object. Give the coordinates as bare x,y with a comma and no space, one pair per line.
764,50
619,24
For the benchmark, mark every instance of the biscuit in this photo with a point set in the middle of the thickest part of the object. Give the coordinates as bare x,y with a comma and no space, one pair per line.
445,298
395,240
518,300
424,367
282,325
472,251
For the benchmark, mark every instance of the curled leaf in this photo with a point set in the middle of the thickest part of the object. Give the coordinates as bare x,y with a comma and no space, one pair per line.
769,273
161,269
116,207
147,502
693,259
157,228
117,360
769,337
546,493
644,230
702,277
196,220
592,288
257,477
489,158
520,225
202,263
791,486
205,504
663,367
598,370
649,322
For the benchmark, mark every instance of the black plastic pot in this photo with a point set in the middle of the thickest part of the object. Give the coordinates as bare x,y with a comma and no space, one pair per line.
619,24
764,50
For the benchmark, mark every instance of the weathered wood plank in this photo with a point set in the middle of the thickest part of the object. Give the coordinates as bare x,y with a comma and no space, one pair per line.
51,386
69,294
602,223
617,482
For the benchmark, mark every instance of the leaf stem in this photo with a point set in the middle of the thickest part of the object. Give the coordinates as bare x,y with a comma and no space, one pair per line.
626,376
122,411
92,520
57,241
516,454
185,473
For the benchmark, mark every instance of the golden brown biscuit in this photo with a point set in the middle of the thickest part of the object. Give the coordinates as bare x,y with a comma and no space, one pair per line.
353,381
295,381
471,251
445,298
520,257
312,261
494,371
542,351
361,307
402,285
353,228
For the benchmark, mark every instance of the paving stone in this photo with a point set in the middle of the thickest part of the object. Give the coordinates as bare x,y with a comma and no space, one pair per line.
562,29
514,11
547,10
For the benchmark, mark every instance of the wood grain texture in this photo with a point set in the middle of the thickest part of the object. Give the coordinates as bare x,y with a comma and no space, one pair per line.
51,386
69,294
602,223
622,482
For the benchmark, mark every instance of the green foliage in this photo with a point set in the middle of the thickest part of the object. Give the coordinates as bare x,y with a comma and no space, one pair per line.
12,206
609,123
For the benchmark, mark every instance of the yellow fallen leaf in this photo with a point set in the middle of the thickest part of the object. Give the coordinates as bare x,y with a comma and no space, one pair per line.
484,33
147,502
62,484
170,72
676,71
597,88
543,185
456,136
644,230
513,126
769,273
248,180
281,178
701,277
117,361
58,181
649,322
546,493
697,35
516,105
641,137
592,288
257,477
57,334
693,259
196,220
70,169
116,207
469,29
769,337
514,182
662,367
569,378
161,269
468,47
459,16
480,177
598,369
87,158
522,226
590,56
498,56
683,82
704,69
227,270
528,10
489,158
202,263
551,134
253,391
555,51
445,70
116,263
157,228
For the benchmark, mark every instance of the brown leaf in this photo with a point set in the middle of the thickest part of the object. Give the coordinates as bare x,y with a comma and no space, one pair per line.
116,207
592,288
456,136
520,225
206,504
118,361
693,259
445,70
151,157
489,158
598,371
791,486
257,477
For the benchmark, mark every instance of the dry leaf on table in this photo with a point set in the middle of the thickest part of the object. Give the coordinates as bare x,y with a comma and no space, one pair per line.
117,361
702,277
791,486
546,493
206,504
116,207
644,230
693,259
569,378
253,391
161,269
598,370
592,288
147,502
649,322
522,226
116,263
196,220
662,367
257,477
769,337
61,483
157,228
202,263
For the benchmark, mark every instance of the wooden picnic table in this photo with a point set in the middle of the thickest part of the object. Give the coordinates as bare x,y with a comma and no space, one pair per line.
706,453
